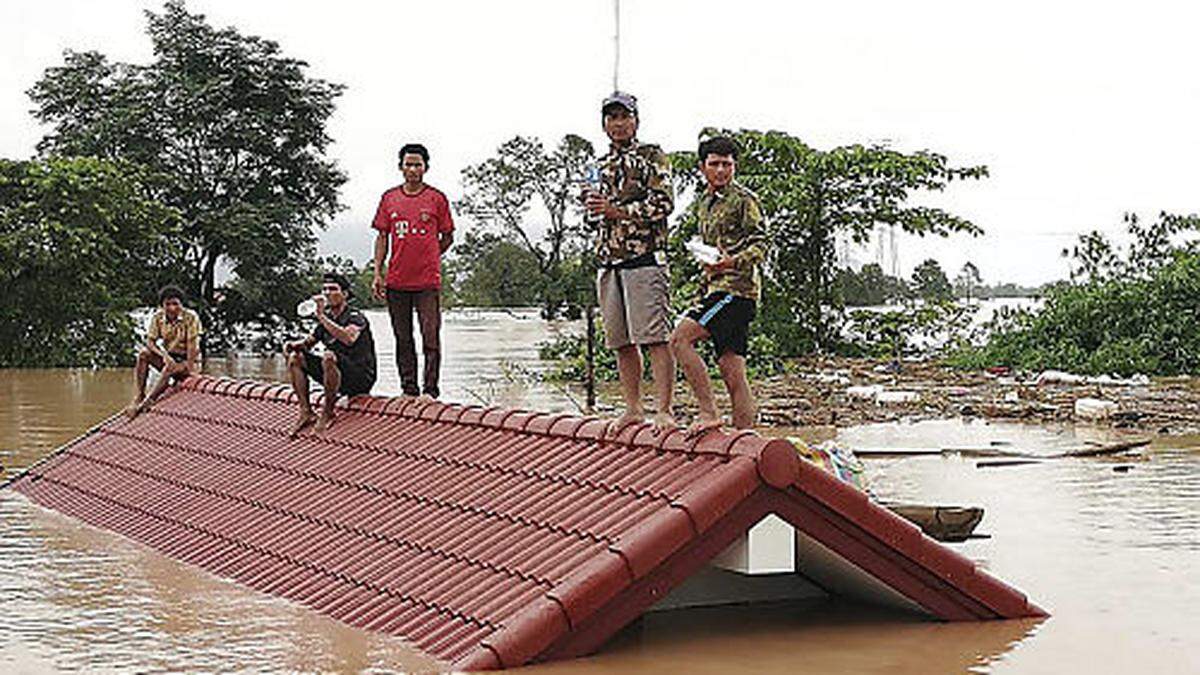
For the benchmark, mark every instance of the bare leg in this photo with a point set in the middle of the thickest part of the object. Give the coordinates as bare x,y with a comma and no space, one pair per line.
332,382
299,380
629,371
141,370
662,365
683,344
733,372
165,378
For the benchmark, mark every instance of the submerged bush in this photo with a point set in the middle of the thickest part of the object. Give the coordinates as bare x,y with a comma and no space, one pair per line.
569,352
1107,324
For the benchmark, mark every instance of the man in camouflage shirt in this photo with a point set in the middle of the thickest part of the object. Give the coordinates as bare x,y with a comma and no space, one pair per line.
730,220
631,208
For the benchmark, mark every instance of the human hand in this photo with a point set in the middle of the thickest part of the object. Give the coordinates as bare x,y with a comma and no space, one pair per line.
725,263
597,204
378,287
320,300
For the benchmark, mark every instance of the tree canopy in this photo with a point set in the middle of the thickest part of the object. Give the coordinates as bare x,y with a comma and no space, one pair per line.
79,243
527,196
229,132
1128,310
809,196
930,282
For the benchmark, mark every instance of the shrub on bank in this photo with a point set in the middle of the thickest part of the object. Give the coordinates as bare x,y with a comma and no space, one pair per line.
1112,325
569,352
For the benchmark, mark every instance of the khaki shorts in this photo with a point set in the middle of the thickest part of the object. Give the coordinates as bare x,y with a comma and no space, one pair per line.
635,304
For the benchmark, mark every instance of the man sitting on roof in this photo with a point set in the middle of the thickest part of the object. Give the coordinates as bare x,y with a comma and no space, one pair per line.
178,329
348,364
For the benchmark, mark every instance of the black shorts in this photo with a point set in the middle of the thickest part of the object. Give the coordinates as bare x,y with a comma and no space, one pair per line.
177,358
355,379
727,318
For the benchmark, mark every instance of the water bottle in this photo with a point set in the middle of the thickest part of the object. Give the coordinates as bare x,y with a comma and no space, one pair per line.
591,176
591,184
307,308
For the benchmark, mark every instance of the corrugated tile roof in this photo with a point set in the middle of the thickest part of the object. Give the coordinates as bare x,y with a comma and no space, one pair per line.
486,537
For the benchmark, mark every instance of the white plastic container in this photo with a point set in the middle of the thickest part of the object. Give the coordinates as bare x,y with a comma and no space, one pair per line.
1094,408
702,252
869,392
898,396
307,308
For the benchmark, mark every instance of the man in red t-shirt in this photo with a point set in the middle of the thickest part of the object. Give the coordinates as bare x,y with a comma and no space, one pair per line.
414,220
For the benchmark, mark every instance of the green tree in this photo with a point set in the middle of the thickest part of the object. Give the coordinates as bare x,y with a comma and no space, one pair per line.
930,282
1127,311
1154,246
501,192
80,245
868,286
495,272
968,280
232,134
809,196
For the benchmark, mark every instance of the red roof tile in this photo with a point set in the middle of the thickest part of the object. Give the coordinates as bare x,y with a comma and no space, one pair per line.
486,537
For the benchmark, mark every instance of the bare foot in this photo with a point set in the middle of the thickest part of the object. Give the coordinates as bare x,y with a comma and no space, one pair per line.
663,423
305,419
425,398
623,422
703,426
133,409
324,422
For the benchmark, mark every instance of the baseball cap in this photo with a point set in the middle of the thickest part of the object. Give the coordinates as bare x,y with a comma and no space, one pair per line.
627,101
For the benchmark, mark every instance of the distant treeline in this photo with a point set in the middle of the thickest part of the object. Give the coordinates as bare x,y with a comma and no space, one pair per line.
1123,312
870,286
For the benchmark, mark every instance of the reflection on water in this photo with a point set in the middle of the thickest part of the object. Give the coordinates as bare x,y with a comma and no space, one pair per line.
798,637
80,598
1111,555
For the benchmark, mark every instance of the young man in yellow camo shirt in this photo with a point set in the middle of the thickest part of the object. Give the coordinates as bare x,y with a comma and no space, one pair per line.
730,219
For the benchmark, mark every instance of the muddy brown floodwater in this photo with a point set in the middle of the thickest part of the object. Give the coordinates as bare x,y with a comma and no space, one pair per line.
1110,546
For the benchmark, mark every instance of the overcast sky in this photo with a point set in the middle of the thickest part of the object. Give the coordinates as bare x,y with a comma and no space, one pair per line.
1081,110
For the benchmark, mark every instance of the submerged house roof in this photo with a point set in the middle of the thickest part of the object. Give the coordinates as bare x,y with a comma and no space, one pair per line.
488,538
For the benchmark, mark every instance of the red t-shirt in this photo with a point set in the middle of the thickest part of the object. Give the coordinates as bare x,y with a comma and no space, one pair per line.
414,222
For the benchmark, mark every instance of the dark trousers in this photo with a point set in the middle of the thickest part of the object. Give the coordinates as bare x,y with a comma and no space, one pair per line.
428,305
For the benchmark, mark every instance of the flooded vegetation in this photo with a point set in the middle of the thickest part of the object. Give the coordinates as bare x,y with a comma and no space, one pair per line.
1107,545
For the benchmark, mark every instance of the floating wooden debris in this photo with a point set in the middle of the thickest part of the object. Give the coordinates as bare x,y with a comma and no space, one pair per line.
1109,449
991,463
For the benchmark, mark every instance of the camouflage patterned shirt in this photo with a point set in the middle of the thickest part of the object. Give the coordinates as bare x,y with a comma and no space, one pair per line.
637,179
731,219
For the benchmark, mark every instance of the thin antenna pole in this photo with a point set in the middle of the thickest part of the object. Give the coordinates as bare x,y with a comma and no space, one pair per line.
616,43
